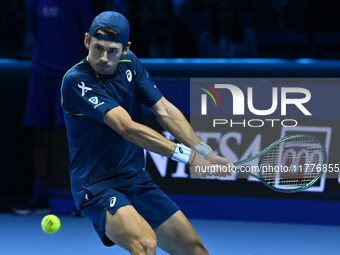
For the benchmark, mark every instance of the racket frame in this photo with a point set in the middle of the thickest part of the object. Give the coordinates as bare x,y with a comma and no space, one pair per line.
266,150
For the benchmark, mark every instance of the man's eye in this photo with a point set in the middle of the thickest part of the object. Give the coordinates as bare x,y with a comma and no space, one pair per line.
97,47
113,50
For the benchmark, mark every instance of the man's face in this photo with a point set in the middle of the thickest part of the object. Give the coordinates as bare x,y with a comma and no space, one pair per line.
104,55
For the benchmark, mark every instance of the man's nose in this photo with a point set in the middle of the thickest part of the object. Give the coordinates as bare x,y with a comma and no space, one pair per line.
104,57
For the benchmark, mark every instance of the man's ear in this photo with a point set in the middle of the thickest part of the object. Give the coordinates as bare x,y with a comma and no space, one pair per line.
126,48
87,40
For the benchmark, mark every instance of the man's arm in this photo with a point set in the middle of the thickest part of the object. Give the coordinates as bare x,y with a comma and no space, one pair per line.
174,121
120,121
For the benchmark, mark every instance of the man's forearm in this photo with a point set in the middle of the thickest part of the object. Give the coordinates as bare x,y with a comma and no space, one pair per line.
175,122
149,139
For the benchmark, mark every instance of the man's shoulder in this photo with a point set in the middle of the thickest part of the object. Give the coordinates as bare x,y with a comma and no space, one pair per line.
80,70
129,57
79,76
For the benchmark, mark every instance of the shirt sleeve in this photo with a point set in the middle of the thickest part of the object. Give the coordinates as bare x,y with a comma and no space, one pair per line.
82,96
147,91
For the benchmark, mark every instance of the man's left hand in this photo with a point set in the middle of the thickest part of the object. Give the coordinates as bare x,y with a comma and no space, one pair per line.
218,160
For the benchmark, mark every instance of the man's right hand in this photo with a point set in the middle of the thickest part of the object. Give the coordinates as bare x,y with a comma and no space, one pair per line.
201,168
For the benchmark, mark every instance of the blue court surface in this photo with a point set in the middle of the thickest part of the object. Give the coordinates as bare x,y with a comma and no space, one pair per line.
22,235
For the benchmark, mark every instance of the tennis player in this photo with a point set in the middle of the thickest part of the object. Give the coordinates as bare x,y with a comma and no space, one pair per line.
101,98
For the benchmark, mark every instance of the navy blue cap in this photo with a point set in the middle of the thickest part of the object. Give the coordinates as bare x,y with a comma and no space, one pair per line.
113,20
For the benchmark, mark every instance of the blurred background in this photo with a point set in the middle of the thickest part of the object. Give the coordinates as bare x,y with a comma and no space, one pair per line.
176,40
204,28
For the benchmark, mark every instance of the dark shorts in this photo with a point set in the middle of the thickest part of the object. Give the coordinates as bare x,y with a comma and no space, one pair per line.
43,105
148,200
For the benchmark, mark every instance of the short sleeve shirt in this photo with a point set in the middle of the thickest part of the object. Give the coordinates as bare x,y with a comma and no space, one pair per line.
98,153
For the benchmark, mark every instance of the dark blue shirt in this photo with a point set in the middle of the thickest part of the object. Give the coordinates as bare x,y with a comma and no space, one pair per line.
98,154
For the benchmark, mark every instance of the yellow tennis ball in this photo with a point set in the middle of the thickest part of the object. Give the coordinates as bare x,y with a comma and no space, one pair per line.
50,224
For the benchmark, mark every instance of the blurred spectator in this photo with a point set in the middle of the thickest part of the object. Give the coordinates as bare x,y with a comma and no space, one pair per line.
295,15
58,27
280,7
194,14
228,35
168,37
137,24
177,5
177,27
121,6
281,15
323,16
265,16
12,15
290,15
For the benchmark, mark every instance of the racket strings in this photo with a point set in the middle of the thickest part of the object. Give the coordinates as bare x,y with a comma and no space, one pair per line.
293,163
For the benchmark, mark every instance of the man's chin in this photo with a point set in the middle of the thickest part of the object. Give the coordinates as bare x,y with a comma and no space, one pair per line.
103,71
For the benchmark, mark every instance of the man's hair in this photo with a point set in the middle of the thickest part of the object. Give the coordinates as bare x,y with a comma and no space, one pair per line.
110,32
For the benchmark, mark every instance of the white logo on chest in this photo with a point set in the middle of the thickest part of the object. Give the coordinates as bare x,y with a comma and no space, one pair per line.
128,75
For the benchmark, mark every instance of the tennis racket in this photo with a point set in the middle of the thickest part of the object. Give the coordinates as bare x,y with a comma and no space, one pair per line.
291,164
